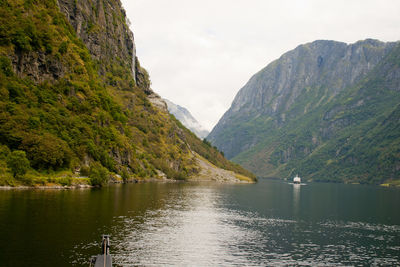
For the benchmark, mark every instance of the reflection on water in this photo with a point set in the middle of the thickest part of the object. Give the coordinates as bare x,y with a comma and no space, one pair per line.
270,223
191,230
195,230
296,199
203,226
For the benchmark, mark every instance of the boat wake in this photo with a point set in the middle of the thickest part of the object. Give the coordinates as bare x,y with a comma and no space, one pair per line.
296,183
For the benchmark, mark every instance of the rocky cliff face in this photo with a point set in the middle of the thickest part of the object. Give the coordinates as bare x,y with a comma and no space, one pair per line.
38,66
328,66
312,98
184,116
102,26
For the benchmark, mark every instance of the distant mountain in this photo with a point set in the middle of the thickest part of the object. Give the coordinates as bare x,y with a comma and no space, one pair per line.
326,110
184,116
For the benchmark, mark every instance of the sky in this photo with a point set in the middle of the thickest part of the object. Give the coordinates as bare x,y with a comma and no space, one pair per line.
200,53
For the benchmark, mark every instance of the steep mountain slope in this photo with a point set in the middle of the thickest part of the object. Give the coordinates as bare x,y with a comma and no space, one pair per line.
319,110
184,116
74,99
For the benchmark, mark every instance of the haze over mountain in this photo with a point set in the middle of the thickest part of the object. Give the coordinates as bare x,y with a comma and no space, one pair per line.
327,110
186,118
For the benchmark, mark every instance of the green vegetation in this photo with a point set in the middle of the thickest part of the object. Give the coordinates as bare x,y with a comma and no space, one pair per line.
98,174
66,120
211,153
351,137
18,163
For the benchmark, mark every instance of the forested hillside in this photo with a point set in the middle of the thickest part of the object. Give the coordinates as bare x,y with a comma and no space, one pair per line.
74,100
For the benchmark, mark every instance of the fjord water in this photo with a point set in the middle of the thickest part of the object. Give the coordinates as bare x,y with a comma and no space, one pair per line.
187,224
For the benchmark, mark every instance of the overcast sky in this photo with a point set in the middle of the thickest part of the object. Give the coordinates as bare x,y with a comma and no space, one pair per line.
200,53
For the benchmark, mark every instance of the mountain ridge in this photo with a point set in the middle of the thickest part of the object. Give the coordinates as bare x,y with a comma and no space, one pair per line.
266,127
187,119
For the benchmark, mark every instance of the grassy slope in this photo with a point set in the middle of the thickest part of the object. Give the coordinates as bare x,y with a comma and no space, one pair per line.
210,153
81,118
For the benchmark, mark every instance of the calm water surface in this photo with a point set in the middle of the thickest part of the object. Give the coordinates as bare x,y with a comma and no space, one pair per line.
269,223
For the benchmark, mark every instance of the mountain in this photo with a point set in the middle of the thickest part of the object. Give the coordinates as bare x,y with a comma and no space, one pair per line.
74,101
326,110
184,116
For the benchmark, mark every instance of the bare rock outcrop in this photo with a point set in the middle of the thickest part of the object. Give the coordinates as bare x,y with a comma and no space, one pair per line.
102,26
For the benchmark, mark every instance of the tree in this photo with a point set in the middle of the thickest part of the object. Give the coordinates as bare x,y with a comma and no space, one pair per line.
125,174
18,163
98,174
47,151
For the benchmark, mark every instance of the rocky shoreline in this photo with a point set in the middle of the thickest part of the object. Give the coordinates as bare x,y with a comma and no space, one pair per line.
57,187
207,174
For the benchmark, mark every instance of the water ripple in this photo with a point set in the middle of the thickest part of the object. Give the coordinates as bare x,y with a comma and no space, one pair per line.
196,228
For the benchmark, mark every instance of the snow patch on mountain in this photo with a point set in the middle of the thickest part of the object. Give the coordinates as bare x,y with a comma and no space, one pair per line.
184,116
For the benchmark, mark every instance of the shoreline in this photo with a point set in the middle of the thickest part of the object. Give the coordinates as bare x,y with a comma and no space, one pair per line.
387,184
133,181
43,187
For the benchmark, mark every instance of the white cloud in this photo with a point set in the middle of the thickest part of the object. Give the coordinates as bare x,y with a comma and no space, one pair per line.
200,53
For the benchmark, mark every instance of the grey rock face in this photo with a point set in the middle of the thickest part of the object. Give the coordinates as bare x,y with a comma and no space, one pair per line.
38,66
329,65
184,116
101,24
334,65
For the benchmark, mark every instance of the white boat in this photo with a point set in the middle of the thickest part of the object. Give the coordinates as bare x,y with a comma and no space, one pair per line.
297,179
